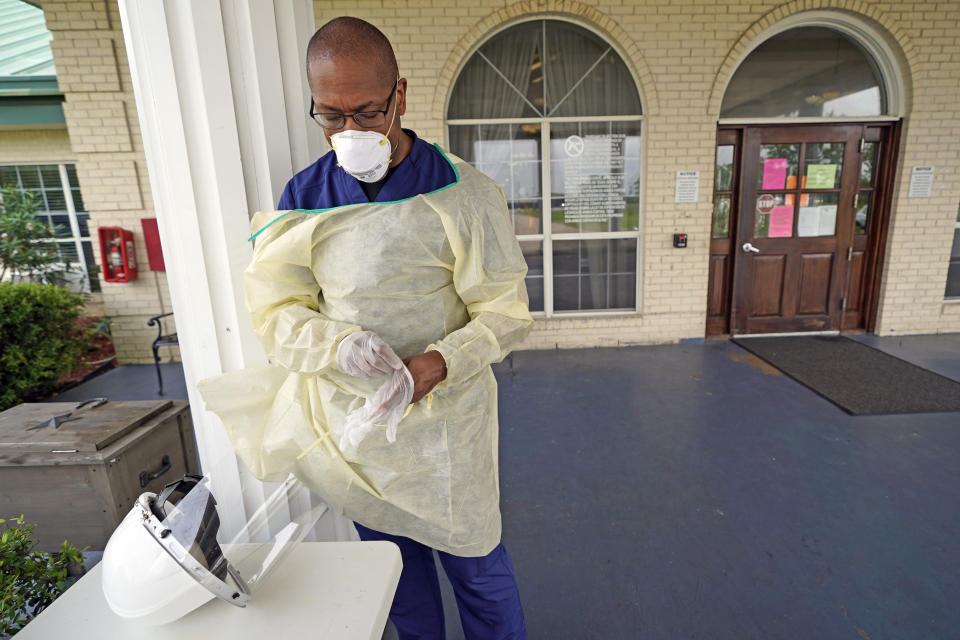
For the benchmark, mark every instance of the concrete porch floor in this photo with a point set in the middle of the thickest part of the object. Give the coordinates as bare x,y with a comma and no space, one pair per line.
691,491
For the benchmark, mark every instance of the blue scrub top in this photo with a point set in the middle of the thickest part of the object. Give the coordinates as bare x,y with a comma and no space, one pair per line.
323,184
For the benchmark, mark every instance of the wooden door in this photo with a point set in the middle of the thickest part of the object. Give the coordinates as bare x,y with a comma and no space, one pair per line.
723,229
795,228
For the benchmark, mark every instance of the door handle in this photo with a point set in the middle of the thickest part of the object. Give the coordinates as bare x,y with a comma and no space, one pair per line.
749,248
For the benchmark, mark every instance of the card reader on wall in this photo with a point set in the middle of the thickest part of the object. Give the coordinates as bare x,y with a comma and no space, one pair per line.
680,240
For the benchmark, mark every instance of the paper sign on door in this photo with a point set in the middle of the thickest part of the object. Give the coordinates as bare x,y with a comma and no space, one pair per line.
817,221
821,176
774,173
781,222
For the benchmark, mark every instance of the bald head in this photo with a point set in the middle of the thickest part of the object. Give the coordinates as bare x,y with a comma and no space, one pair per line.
356,40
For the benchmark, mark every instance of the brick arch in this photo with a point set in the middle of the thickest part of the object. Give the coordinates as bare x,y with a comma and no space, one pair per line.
897,40
624,45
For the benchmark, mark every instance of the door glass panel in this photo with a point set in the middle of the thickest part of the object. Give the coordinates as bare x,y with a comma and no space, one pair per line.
774,216
868,164
778,166
724,171
595,176
862,216
818,215
721,217
953,271
823,164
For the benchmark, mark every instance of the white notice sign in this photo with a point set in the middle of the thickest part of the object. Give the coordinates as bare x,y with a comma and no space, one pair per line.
593,178
921,182
688,185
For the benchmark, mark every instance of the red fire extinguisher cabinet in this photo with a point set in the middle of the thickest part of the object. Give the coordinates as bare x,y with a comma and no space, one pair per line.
117,256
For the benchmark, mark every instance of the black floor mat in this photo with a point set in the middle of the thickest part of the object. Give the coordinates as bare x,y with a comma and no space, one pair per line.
859,379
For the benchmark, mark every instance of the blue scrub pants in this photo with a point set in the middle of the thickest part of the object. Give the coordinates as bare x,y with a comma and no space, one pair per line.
486,591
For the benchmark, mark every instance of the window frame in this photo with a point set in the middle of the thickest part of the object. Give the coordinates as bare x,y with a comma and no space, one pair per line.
547,237
66,189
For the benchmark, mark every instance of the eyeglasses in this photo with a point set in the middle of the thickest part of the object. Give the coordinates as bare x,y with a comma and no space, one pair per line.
366,119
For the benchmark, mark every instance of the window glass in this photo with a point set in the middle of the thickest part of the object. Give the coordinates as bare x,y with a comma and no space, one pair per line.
595,176
544,68
80,273
585,76
594,274
504,78
806,71
533,253
552,83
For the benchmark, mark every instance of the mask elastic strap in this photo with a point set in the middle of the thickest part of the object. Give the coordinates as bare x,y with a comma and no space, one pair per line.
393,116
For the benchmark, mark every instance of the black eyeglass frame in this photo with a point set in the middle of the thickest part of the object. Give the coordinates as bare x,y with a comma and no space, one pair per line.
344,116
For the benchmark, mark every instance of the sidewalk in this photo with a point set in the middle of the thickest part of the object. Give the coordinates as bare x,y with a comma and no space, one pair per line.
691,491
130,382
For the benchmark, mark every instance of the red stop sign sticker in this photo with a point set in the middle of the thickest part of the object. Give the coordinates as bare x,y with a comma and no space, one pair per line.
766,203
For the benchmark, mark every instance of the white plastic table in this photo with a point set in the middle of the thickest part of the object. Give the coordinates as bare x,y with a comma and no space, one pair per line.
330,590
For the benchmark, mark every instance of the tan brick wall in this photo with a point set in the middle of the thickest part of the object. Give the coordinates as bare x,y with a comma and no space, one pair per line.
26,146
101,116
682,55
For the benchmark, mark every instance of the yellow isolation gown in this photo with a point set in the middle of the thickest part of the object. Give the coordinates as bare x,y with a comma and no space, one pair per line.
441,271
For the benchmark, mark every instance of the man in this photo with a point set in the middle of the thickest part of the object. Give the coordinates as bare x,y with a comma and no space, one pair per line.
388,249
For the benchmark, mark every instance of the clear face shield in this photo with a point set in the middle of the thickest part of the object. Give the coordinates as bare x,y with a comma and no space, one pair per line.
171,553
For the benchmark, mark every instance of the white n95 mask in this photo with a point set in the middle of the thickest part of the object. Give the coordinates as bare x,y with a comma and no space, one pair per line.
365,155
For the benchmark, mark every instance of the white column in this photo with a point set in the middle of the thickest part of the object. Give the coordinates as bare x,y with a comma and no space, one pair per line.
222,102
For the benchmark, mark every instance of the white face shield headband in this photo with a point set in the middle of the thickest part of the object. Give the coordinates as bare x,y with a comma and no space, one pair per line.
365,155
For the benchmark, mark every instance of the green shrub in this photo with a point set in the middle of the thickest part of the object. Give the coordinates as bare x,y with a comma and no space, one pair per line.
39,339
29,580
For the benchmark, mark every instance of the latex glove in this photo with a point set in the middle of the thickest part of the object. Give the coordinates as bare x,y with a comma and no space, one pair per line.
387,405
365,354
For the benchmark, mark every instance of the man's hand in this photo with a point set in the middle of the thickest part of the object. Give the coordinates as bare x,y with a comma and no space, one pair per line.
428,370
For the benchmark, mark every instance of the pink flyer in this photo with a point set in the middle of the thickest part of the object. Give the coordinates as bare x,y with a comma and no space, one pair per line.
774,173
781,222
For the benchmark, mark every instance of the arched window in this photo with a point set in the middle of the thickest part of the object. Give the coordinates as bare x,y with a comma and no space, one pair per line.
806,72
549,84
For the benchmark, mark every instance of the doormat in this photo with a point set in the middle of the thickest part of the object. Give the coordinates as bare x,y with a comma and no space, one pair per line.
859,379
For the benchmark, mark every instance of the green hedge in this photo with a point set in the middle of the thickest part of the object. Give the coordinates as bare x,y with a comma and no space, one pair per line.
39,339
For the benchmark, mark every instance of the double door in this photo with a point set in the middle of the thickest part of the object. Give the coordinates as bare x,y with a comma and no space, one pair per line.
798,227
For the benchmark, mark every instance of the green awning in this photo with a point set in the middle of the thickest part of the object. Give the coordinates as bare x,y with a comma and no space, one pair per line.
29,94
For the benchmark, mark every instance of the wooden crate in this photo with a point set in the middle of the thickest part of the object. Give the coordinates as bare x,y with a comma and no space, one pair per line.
77,481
